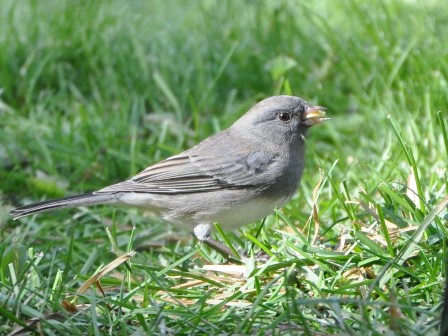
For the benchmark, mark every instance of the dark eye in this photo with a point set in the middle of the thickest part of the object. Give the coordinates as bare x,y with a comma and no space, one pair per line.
284,116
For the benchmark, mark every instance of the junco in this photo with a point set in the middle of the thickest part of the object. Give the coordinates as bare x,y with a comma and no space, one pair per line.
235,177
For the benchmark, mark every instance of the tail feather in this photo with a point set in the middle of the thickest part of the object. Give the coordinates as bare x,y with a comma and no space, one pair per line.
66,202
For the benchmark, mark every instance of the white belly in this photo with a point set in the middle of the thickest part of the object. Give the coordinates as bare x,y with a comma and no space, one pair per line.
186,216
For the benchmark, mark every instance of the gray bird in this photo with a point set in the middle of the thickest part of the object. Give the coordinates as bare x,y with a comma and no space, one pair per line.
233,178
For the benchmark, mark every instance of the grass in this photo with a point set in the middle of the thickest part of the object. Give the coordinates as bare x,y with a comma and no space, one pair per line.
93,92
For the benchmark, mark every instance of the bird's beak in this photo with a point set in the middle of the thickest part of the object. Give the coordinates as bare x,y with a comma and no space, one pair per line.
314,115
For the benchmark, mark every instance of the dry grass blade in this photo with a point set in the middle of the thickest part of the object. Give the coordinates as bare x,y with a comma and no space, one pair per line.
70,306
105,270
411,190
236,270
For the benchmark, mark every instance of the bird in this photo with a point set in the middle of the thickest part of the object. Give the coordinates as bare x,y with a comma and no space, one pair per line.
234,177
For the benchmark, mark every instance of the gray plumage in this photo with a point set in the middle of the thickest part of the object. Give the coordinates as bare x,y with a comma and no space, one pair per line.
235,177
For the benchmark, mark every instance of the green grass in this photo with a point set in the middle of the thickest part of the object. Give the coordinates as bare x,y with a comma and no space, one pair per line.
93,92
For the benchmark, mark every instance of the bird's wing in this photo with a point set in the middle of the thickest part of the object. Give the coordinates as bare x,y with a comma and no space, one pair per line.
185,173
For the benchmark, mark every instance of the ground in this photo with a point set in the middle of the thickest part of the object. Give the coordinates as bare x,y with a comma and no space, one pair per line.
93,92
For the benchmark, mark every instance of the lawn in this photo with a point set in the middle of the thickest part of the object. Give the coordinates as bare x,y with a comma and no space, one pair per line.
92,92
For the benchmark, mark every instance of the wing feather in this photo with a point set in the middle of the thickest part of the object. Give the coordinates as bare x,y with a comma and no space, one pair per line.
186,173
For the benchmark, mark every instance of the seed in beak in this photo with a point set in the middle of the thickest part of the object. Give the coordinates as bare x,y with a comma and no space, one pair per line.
314,115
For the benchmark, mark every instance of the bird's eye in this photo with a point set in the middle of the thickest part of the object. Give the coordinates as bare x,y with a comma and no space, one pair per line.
284,116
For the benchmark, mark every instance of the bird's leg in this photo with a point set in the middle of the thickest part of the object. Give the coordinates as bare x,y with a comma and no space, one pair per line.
202,233
219,247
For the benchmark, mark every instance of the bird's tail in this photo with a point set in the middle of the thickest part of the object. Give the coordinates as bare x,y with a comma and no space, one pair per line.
66,202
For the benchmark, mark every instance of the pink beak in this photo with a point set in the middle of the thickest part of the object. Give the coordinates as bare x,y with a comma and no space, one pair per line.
314,115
